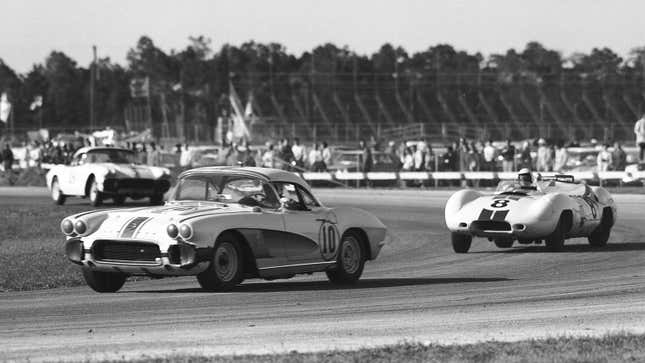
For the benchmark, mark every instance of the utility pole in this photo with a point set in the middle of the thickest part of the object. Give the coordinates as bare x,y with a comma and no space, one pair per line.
92,84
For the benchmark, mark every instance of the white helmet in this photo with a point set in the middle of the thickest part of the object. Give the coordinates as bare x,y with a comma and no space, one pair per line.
524,177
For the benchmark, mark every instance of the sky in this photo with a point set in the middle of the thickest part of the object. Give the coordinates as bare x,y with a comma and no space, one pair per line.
33,28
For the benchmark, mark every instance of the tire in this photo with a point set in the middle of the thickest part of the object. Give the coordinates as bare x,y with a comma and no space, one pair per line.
103,281
96,197
600,235
119,199
57,194
461,242
555,241
504,243
226,270
156,199
349,262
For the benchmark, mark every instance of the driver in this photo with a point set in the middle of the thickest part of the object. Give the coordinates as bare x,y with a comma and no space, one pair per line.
525,178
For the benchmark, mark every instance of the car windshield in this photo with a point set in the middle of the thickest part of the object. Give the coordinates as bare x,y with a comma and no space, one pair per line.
117,156
226,189
513,187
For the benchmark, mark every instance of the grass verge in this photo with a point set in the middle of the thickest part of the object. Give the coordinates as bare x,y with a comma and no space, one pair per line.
32,247
610,348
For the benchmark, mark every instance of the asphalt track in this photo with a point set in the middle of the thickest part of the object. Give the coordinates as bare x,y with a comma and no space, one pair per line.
417,290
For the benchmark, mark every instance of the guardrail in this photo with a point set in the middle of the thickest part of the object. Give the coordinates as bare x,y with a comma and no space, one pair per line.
601,177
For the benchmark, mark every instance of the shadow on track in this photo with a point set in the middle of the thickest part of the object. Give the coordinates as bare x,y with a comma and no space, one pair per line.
610,247
326,285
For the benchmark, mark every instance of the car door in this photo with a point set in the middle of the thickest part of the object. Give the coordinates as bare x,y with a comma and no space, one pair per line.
68,176
308,227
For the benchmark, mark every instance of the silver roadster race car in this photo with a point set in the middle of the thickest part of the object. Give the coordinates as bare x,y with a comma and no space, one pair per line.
225,224
551,210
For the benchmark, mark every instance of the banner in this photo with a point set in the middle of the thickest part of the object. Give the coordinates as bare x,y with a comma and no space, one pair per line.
5,108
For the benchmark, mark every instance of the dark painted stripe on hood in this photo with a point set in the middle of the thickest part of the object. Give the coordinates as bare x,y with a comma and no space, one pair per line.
485,214
500,215
132,225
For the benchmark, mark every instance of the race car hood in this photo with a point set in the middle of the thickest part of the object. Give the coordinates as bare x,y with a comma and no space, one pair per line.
131,171
150,223
503,207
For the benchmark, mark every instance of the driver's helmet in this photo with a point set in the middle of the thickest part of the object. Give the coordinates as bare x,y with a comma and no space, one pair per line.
524,177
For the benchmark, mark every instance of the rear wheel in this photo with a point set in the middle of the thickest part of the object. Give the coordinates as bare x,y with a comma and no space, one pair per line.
555,241
225,270
96,197
600,236
103,281
57,194
461,242
156,199
119,199
350,261
504,243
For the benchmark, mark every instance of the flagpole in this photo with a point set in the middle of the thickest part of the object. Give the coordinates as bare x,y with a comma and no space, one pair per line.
92,83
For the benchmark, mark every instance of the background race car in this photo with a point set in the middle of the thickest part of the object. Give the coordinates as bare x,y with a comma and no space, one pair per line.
552,210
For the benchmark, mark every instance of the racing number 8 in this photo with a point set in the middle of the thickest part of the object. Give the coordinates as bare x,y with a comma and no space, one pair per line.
500,203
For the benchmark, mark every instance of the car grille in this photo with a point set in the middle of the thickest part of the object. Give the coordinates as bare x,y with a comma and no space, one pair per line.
108,250
490,226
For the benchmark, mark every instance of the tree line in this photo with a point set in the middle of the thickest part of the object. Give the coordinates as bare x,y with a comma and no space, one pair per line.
198,77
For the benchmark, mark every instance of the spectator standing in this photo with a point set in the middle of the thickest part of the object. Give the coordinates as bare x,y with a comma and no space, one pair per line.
184,157
474,158
604,159
408,159
367,162
561,157
298,152
268,158
286,154
543,156
490,155
326,154
249,157
7,157
464,150
153,155
639,131
508,155
417,156
619,157
429,157
316,158
526,160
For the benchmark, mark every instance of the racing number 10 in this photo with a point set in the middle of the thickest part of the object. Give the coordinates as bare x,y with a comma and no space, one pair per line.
328,240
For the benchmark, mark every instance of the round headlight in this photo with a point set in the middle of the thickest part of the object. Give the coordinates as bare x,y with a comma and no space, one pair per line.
67,226
80,227
172,231
185,231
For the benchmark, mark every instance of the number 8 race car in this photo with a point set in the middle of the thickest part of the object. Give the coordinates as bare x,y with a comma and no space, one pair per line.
551,209
224,224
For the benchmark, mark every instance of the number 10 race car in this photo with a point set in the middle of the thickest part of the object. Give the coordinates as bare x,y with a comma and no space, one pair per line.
224,224
552,209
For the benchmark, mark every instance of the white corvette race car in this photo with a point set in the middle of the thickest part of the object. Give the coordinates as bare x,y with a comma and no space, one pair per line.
106,172
552,209
224,224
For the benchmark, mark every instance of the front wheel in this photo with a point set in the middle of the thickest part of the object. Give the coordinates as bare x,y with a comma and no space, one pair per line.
225,271
349,262
555,241
103,281
96,197
461,242
504,243
57,193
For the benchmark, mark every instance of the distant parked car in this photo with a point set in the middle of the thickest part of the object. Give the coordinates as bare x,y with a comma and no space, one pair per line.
99,173
350,160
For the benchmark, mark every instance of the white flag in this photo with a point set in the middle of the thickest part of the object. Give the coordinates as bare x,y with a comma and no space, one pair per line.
248,110
239,125
5,108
